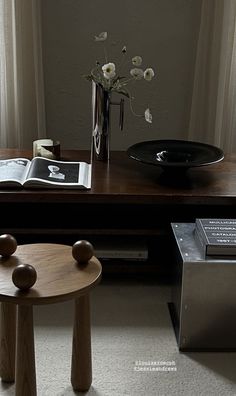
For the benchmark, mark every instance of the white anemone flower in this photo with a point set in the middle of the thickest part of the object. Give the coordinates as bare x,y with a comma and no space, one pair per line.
148,116
101,37
136,73
149,74
137,60
111,78
109,70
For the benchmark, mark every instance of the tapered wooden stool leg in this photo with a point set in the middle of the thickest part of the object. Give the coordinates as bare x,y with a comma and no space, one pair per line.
7,341
81,369
25,358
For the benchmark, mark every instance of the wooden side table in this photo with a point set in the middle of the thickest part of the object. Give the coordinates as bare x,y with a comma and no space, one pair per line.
59,278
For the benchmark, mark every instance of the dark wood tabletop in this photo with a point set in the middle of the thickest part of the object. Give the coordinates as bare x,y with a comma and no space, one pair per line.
128,199
124,180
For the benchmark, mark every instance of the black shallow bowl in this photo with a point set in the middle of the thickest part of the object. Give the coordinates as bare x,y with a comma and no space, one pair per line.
175,155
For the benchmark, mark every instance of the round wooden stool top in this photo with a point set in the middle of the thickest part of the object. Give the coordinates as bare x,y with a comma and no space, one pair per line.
59,276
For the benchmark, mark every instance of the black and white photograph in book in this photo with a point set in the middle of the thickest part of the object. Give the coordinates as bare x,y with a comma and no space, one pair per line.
16,166
42,172
60,173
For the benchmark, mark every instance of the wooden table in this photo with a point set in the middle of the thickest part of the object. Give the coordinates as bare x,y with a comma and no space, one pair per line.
59,278
127,198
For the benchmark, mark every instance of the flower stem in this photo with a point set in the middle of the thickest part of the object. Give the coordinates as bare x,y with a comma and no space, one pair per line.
105,53
131,106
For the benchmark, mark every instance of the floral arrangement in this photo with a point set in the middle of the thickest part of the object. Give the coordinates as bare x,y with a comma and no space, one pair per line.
109,76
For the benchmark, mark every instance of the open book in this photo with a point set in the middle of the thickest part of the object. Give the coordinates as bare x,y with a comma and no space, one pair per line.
44,173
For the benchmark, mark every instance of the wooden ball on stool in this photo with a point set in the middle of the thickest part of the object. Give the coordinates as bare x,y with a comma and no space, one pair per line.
24,276
82,251
8,245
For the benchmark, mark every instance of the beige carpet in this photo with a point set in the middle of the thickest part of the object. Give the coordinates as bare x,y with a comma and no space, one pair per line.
131,328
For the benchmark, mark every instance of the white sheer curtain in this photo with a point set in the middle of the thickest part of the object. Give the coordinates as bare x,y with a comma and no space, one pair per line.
22,110
213,112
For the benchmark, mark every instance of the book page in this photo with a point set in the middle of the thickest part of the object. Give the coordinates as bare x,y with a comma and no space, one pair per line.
14,170
52,173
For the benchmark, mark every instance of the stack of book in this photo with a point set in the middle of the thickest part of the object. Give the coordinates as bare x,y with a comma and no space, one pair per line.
216,237
123,249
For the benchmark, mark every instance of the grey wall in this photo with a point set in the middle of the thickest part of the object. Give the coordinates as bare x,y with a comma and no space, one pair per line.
163,32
